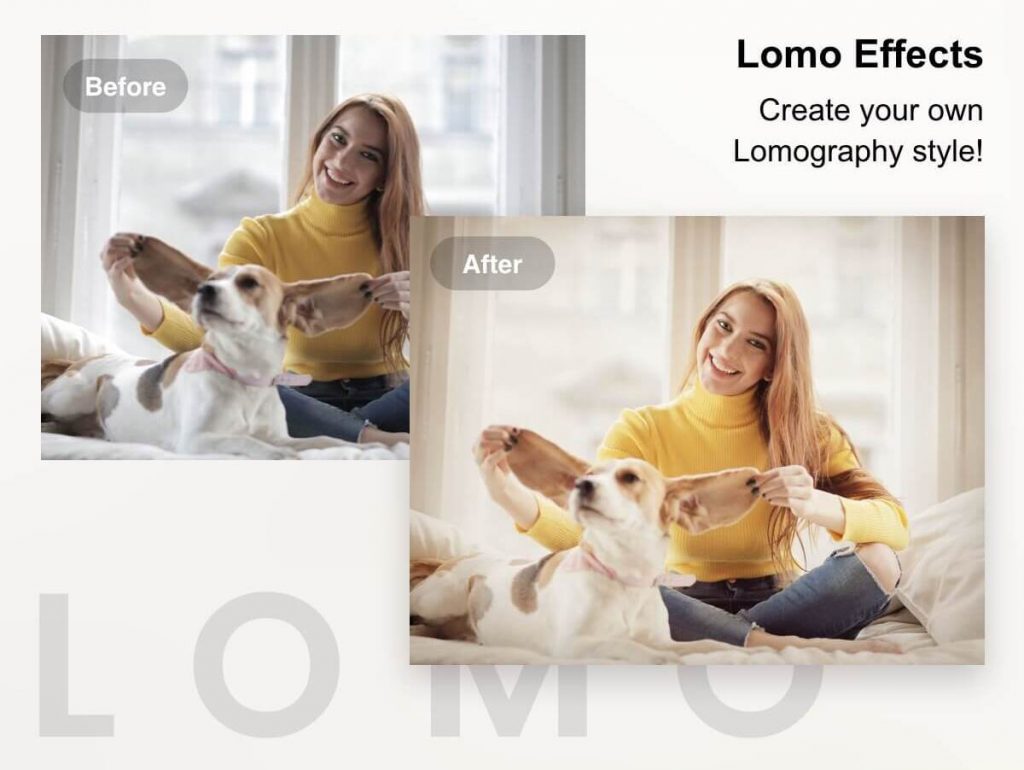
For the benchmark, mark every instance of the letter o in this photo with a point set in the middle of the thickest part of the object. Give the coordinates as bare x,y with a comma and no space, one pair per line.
208,665
830,56
801,695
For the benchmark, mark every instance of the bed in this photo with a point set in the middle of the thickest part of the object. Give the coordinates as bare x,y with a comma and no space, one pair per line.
937,617
60,339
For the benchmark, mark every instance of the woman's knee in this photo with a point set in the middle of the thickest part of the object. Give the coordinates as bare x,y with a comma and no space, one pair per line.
880,560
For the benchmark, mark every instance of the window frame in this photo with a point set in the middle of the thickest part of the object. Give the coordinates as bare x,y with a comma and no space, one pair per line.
78,192
540,171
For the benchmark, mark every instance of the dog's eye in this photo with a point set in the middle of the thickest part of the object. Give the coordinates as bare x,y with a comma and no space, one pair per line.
247,282
628,477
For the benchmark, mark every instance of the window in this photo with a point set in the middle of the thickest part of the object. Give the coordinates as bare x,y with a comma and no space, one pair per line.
450,85
600,319
189,176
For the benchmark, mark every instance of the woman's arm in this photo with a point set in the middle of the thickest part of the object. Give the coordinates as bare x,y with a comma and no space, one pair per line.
502,485
534,514
130,292
864,514
792,487
164,321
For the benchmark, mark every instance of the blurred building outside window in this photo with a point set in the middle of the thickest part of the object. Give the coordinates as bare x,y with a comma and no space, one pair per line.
191,175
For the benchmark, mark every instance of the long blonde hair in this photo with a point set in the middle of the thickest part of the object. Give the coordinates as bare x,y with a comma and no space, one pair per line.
796,431
390,210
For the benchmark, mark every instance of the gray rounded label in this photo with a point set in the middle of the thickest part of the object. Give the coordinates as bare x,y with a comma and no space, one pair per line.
125,85
513,263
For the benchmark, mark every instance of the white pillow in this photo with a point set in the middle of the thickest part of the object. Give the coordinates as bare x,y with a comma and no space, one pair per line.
432,538
62,339
943,581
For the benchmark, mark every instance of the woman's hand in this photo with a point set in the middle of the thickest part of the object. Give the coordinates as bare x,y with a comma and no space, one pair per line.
116,258
792,487
131,294
391,291
502,485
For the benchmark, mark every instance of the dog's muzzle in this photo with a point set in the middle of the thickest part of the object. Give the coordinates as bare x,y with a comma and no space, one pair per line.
584,488
207,294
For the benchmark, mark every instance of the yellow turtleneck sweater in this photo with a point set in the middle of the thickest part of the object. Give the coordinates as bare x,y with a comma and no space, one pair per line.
700,432
314,239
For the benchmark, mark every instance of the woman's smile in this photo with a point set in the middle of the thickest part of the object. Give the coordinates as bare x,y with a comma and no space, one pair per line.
336,177
721,367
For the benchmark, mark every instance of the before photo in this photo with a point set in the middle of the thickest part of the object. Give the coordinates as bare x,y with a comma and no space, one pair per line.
225,226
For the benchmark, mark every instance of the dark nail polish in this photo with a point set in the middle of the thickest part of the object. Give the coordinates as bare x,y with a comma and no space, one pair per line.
364,287
367,294
755,490
751,481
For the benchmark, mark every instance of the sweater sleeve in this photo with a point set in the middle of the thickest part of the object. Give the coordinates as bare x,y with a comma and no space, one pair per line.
178,331
867,521
554,528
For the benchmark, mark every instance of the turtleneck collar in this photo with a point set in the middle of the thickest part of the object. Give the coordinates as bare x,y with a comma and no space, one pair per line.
333,219
721,411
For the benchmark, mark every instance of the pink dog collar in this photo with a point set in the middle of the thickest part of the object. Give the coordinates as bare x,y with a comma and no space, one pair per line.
579,559
203,360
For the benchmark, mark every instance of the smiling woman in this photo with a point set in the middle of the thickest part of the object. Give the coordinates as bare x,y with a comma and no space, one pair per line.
360,187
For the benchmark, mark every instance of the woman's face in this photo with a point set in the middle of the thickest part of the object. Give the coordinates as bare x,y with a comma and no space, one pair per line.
350,162
737,348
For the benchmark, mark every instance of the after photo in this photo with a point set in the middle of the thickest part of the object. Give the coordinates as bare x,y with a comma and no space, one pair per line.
698,440
225,227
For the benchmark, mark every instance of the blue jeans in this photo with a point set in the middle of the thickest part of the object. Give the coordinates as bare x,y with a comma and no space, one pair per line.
341,408
834,600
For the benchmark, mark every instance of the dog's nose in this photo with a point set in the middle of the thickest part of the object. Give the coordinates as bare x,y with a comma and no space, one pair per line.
207,291
585,487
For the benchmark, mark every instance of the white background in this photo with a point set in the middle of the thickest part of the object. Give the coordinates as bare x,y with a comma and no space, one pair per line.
148,552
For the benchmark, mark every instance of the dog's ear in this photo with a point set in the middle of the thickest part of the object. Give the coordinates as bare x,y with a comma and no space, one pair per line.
700,503
315,307
543,466
166,271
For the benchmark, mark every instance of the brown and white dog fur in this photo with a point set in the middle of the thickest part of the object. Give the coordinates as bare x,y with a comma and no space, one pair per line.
244,311
625,508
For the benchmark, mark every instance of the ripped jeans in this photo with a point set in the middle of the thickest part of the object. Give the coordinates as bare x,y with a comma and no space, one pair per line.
340,408
834,600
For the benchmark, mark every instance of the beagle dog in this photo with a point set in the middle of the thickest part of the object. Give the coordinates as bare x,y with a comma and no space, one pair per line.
221,397
600,599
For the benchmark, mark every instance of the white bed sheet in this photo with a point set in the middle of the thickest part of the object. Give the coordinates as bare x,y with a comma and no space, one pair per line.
58,447
900,627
